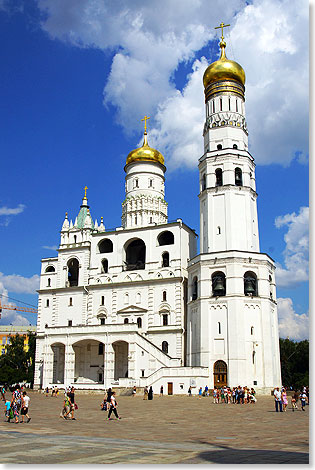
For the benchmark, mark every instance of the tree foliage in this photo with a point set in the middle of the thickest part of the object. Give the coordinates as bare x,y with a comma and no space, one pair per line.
17,365
294,357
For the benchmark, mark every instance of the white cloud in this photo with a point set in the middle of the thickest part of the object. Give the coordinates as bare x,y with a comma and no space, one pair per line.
10,316
4,210
291,325
296,251
20,284
52,247
149,41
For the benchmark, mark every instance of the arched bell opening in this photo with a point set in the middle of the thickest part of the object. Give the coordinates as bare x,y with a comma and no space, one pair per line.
105,246
238,177
89,360
165,259
135,255
166,238
218,177
250,284
73,272
121,359
58,363
195,288
220,374
218,284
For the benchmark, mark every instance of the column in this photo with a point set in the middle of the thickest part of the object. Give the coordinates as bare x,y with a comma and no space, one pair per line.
69,365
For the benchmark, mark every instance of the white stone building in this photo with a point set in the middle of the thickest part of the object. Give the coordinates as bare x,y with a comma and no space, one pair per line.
138,305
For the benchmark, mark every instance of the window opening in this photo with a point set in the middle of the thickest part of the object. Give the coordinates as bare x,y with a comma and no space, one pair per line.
213,107
47,303
236,105
73,272
100,349
69,322
250,284
105,266
165,347
102,300
126,320
234,146
218,177
102,321
165,260
70,302
195,288
50,269
165,319
139,322
220,104
142,372
150,183
219,230
219,146
135,255
254,354
229,104
166,238
164,296
75,239
105,246
238,177
218,284
48,282
204,182
219,327
252,330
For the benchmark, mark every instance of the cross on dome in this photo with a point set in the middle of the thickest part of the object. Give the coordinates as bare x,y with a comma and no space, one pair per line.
222,25
85,188
145,123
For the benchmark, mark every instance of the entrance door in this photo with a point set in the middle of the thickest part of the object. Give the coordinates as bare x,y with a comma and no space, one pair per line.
219,374
170,388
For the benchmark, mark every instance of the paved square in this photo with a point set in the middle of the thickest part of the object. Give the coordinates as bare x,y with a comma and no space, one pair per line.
169,429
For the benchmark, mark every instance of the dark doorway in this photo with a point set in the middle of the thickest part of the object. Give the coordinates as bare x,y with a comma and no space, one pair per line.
170,388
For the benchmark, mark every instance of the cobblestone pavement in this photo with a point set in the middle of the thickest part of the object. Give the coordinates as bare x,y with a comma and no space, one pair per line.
175,429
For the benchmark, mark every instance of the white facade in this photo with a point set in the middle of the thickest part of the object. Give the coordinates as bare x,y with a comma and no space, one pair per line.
138,306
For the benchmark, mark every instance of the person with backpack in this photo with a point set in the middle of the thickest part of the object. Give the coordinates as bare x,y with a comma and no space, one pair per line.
113,407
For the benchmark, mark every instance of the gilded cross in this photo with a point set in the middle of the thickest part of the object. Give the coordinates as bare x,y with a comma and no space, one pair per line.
222,25
145,122
85,191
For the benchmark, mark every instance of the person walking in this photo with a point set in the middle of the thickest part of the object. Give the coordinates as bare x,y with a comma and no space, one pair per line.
66,408
200,392
189,392
278,402
134,391
113,407
284,399
303,400
25,406
294,400
161,391
7,408
145,393
150,394
72,403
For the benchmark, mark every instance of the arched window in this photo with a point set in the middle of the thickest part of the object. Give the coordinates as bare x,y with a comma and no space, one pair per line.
50,269
204,182
250,284
136,183
139,322
218,177
165,259
164,296
105,246
135,255
251,330
234,146
218,284
105,266
48,282
165,319
126,320
166,238
195,288
219,146
73,272
75,239
238,177
165,347
102,300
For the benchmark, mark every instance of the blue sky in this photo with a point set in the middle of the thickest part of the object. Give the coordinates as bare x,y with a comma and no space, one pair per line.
76,79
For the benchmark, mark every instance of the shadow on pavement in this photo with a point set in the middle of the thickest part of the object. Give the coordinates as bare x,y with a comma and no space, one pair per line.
235,456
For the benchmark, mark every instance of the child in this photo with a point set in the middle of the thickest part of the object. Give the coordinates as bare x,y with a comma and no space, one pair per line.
7,407
113,406
303,400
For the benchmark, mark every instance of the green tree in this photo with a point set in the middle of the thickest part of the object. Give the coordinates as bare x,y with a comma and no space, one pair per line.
17,365
294,357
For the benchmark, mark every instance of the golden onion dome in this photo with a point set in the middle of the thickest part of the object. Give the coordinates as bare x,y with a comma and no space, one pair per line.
145,154
223,69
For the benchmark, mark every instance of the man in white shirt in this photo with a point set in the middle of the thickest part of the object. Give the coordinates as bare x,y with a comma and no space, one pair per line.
25,406
278,401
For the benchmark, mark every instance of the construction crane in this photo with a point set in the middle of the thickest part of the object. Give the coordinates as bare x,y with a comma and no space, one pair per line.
17,308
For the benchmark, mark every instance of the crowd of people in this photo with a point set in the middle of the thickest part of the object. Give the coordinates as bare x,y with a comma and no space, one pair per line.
17,406
281,399
234,395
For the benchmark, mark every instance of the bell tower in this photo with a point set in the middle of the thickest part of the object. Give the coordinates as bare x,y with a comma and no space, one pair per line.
232,323
228,211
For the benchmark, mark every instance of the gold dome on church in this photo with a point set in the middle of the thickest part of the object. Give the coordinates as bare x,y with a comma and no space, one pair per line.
145,154
223,69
